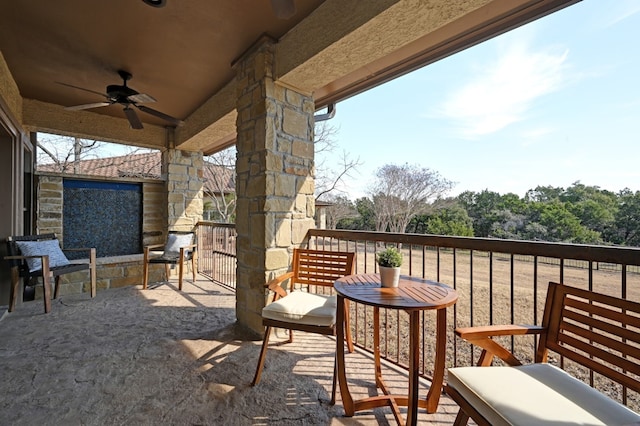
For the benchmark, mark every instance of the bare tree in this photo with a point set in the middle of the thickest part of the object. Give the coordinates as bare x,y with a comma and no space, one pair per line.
339,208
220,183
330,178
401,192
63,154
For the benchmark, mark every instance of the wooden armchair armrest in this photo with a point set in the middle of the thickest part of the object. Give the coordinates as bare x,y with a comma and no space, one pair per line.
481,336
190,247
274,285
92,254
21,257
148,249
44,258
18,257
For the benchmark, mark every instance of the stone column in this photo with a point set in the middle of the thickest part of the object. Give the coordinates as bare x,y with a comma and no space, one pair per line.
184,189
50,205
275,177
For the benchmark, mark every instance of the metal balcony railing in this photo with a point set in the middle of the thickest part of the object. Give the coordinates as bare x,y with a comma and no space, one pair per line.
498,282
217,252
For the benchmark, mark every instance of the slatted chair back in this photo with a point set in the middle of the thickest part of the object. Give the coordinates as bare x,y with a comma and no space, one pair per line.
598,331
320,268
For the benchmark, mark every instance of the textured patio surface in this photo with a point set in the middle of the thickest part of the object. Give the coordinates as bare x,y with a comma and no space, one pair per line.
161,356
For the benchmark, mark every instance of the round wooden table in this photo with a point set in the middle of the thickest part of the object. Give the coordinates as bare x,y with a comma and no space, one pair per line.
412,295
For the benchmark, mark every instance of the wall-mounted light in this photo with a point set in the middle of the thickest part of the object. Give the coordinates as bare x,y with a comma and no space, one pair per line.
156,3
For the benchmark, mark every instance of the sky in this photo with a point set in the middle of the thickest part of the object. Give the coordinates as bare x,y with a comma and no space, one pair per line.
550,103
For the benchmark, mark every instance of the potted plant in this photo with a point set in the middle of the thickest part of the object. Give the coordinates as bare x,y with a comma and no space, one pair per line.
389,260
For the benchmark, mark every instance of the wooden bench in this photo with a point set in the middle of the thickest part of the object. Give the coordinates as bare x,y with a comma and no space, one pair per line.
592,330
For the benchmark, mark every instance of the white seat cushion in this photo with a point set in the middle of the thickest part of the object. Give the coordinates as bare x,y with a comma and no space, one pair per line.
536,394
303,308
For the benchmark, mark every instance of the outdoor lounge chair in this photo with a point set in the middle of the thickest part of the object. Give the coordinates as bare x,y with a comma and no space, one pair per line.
303,309
179,248
40,256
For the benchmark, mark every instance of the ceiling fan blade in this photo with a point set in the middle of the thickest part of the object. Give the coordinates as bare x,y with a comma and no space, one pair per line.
82,88
87,106
134,121
159,114
141,98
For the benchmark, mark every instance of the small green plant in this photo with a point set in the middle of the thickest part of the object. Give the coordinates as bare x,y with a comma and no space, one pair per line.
390,257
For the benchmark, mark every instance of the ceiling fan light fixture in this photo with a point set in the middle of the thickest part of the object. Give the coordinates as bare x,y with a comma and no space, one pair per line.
156,3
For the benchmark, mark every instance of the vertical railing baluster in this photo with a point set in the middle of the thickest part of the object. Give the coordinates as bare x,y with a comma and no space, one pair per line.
512,296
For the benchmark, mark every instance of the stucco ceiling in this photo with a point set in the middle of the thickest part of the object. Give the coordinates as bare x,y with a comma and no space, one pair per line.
182,54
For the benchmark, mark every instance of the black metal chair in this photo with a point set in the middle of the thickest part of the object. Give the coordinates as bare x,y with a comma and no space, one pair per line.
41,256
179,248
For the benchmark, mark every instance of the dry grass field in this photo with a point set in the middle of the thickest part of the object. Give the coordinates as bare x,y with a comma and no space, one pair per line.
497,291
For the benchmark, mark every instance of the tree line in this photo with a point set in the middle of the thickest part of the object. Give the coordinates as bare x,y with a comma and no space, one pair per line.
413,199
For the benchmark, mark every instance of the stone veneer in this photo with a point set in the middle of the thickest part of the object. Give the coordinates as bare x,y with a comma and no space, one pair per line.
275,182
185,183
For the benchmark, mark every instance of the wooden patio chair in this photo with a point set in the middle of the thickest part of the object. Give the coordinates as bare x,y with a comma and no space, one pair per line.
179,249
41,256
304,310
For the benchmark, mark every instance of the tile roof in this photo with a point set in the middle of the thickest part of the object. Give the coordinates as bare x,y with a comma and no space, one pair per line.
147,165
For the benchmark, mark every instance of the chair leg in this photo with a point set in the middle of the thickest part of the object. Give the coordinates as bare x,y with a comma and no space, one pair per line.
93,272
461,419
180,273
46,282
263,353
56,291
15,283
193,267
145,274
335,378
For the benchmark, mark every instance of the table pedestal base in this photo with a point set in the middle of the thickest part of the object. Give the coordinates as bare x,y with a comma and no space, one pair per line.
412,402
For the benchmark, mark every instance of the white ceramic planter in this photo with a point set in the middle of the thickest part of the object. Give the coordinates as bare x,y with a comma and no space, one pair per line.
389,277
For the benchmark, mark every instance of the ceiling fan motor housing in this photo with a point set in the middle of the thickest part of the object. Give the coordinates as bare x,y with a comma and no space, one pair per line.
119,93
126,96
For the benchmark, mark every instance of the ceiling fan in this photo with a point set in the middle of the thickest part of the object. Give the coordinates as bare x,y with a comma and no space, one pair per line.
126,96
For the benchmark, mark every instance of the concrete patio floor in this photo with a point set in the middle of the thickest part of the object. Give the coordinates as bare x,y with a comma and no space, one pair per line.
161,356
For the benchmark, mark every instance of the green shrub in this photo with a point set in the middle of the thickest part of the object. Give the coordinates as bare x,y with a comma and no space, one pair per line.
390,257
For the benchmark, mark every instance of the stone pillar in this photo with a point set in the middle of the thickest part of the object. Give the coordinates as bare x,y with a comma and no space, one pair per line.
275,177
49,202
184,171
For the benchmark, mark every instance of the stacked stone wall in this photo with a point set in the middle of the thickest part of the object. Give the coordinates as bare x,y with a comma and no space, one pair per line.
275,178
185,185
112,272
